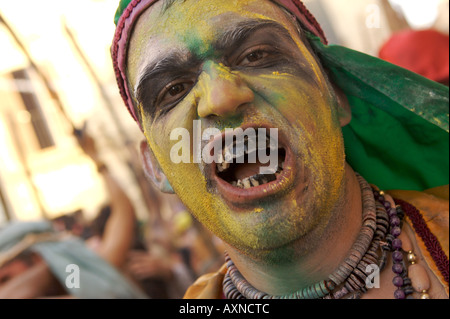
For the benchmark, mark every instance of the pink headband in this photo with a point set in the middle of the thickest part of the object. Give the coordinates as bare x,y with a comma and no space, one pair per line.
137,7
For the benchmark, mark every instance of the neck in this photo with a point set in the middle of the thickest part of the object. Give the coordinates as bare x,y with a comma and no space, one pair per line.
302,267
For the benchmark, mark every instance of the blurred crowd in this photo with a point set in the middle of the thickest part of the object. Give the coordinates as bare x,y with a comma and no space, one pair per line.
156,258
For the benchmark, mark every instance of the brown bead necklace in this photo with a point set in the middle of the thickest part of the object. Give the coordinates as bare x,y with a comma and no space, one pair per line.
381,227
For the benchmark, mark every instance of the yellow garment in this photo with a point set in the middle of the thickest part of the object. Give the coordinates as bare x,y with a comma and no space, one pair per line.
433,204
208,286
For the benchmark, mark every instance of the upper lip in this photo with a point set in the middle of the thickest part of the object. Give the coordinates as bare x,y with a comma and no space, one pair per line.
238,196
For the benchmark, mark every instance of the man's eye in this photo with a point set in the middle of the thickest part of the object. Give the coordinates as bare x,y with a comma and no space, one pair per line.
176,89
173,92
253,58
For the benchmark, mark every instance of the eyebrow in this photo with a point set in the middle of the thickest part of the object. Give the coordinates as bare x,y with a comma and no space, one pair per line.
180,61
241,32
175,63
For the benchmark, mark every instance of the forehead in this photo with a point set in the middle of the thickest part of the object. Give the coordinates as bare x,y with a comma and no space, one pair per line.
192,26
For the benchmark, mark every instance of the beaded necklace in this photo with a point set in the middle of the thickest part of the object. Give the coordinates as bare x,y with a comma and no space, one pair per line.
380,230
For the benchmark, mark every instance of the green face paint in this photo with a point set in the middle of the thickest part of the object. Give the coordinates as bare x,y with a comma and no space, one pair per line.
195,44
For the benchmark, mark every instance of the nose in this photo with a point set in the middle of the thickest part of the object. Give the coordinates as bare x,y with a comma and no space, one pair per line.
221,91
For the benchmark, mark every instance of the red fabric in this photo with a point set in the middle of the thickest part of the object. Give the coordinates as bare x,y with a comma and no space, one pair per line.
430,240
298,9
425,52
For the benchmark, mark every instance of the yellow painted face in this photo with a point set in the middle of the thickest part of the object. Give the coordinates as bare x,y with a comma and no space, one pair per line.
239,63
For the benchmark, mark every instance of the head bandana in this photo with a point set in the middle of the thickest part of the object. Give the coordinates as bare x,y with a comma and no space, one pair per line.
398,136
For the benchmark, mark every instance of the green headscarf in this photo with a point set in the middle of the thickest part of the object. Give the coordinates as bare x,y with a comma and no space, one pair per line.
398,136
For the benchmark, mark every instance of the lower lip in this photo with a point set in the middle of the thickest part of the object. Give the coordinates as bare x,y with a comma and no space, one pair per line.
236,195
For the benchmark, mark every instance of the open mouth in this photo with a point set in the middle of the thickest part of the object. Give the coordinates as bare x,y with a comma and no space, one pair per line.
252,168
246,167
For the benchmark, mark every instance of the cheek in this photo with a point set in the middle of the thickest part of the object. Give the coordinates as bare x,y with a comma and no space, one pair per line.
158,130
300,102
186,179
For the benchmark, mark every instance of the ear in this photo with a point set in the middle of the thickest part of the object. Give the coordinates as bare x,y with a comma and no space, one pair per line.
344,110
153,171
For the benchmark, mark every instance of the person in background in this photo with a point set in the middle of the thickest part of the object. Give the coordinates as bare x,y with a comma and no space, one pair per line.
99,259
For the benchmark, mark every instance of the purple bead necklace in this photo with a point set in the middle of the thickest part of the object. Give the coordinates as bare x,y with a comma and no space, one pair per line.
394,244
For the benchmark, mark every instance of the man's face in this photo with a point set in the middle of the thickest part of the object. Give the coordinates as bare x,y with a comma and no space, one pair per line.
242,64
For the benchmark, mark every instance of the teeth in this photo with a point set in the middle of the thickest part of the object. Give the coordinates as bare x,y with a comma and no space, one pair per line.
222,166
220,159
254,182
246,183
233,153
237,150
